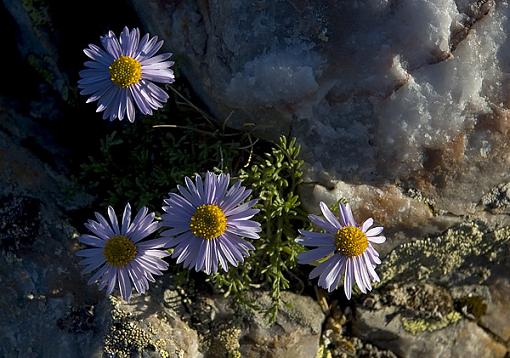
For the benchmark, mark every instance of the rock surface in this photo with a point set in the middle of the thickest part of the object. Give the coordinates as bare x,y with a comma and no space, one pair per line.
229,330
37,41
145,327
44,297
401,105
496,317
295,333
442,296
458,339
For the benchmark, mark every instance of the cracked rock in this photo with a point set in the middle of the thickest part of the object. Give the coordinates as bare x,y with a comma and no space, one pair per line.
412,93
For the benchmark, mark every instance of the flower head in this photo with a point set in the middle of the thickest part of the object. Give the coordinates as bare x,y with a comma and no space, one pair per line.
119,254
347,248
207,221
121,74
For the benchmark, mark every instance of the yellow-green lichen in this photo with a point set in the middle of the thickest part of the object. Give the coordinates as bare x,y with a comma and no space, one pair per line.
417,326
440,256
224,341
125,337
502,234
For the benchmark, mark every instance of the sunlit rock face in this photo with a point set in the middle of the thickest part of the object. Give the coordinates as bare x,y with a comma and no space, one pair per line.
401,106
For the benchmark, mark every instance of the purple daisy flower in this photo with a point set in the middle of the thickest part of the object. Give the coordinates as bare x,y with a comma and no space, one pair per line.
118,253
122,74
347,247
208,220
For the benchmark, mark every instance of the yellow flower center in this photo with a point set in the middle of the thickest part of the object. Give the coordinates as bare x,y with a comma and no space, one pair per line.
119,251
125,71
350,241
208,222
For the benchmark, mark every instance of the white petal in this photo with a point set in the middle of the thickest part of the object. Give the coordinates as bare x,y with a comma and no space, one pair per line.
366,225
375,231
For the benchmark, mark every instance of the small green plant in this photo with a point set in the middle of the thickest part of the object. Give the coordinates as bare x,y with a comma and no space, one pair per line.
140,163
274,180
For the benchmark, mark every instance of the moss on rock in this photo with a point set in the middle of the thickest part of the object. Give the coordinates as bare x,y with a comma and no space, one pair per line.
124,336
440,257
420,325
224,340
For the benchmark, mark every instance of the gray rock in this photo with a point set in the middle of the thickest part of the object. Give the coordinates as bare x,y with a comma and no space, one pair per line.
461,338
143,326
230,330
46,308
295,333
442,296
377,92
36,41
336,343
496,318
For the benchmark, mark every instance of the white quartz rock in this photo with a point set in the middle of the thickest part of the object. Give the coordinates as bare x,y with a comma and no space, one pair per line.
406,95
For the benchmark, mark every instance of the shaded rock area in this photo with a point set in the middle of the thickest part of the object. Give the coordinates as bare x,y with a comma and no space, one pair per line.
37,41
43,293
495,317
401,106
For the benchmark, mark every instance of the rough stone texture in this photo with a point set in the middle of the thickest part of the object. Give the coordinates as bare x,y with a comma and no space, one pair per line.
228,329
498,199
45,309
385,96
336,342
469,253
460,339
496,319
296,332
145,326
442,296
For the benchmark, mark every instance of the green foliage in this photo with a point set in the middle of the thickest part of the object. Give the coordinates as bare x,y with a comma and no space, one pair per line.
141,164
274,180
